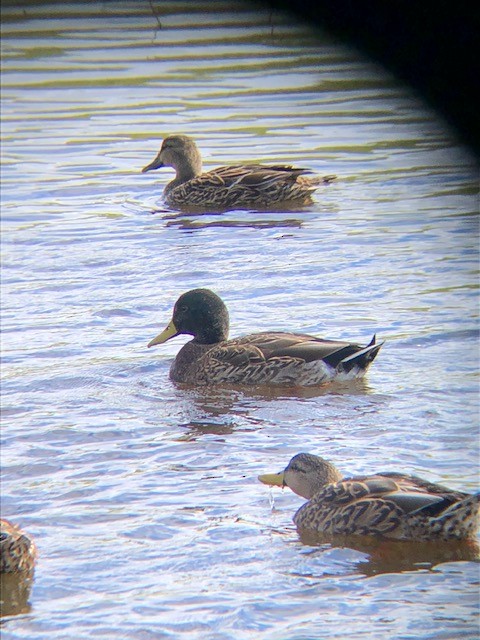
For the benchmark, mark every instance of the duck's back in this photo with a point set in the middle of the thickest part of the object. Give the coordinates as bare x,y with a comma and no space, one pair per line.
246,185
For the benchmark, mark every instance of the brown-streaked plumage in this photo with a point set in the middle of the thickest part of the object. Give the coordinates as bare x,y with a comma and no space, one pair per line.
271,358
17,550
394,505
239,186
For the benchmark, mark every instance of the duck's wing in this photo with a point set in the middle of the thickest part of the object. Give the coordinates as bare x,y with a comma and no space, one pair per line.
244,177
410,483
260,347
302,347
245,364
236,355
267,358
375,505
255,175
352,507
262,179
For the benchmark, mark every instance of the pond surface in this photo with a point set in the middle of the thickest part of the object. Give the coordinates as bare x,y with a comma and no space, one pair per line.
142,496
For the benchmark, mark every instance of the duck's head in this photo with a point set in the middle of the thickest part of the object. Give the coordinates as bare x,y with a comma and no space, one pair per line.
305,475
199,313
181,153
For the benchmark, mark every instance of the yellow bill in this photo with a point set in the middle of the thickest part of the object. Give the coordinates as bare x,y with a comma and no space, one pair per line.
169,332
274,479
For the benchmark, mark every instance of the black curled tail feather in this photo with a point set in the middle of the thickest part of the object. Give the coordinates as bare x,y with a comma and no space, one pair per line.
362,358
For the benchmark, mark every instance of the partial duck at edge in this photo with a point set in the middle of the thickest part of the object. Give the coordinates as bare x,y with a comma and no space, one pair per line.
389,504
17,549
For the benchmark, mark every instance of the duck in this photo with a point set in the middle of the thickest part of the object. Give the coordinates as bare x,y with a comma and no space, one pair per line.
17,550
236,186
388,504
272,358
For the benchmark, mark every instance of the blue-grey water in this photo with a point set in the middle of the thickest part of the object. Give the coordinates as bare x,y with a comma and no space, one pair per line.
142,497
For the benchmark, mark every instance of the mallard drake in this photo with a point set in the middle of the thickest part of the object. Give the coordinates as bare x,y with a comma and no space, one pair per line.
17,550
270,358
390,504
246,185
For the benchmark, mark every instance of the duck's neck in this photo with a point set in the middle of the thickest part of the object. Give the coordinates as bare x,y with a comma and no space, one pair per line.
187,169
213,334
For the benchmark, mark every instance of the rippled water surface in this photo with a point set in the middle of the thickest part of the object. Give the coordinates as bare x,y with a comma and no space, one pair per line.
142,496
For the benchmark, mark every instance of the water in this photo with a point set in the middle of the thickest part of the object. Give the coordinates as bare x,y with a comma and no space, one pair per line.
142,497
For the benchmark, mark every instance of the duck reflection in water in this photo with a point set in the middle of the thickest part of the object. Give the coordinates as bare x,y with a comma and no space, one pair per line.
383,555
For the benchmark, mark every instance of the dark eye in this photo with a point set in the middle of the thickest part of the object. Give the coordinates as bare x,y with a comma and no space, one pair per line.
3,536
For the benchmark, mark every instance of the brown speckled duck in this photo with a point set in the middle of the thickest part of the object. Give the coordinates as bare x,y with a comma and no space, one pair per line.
238,186
271,358
389,504
17,550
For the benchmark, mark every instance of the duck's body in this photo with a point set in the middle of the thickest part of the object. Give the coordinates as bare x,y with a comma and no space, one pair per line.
246,185
17,550
393,505
269,358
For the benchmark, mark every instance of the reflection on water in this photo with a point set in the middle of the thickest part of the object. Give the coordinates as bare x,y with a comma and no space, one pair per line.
15,593
394,556
198,428
141,494
192,225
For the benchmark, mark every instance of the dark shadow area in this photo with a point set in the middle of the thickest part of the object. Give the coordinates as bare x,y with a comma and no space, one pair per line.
432,46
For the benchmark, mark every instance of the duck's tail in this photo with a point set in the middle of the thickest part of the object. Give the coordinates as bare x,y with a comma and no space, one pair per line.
328,179
316,181
361,359
461,520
